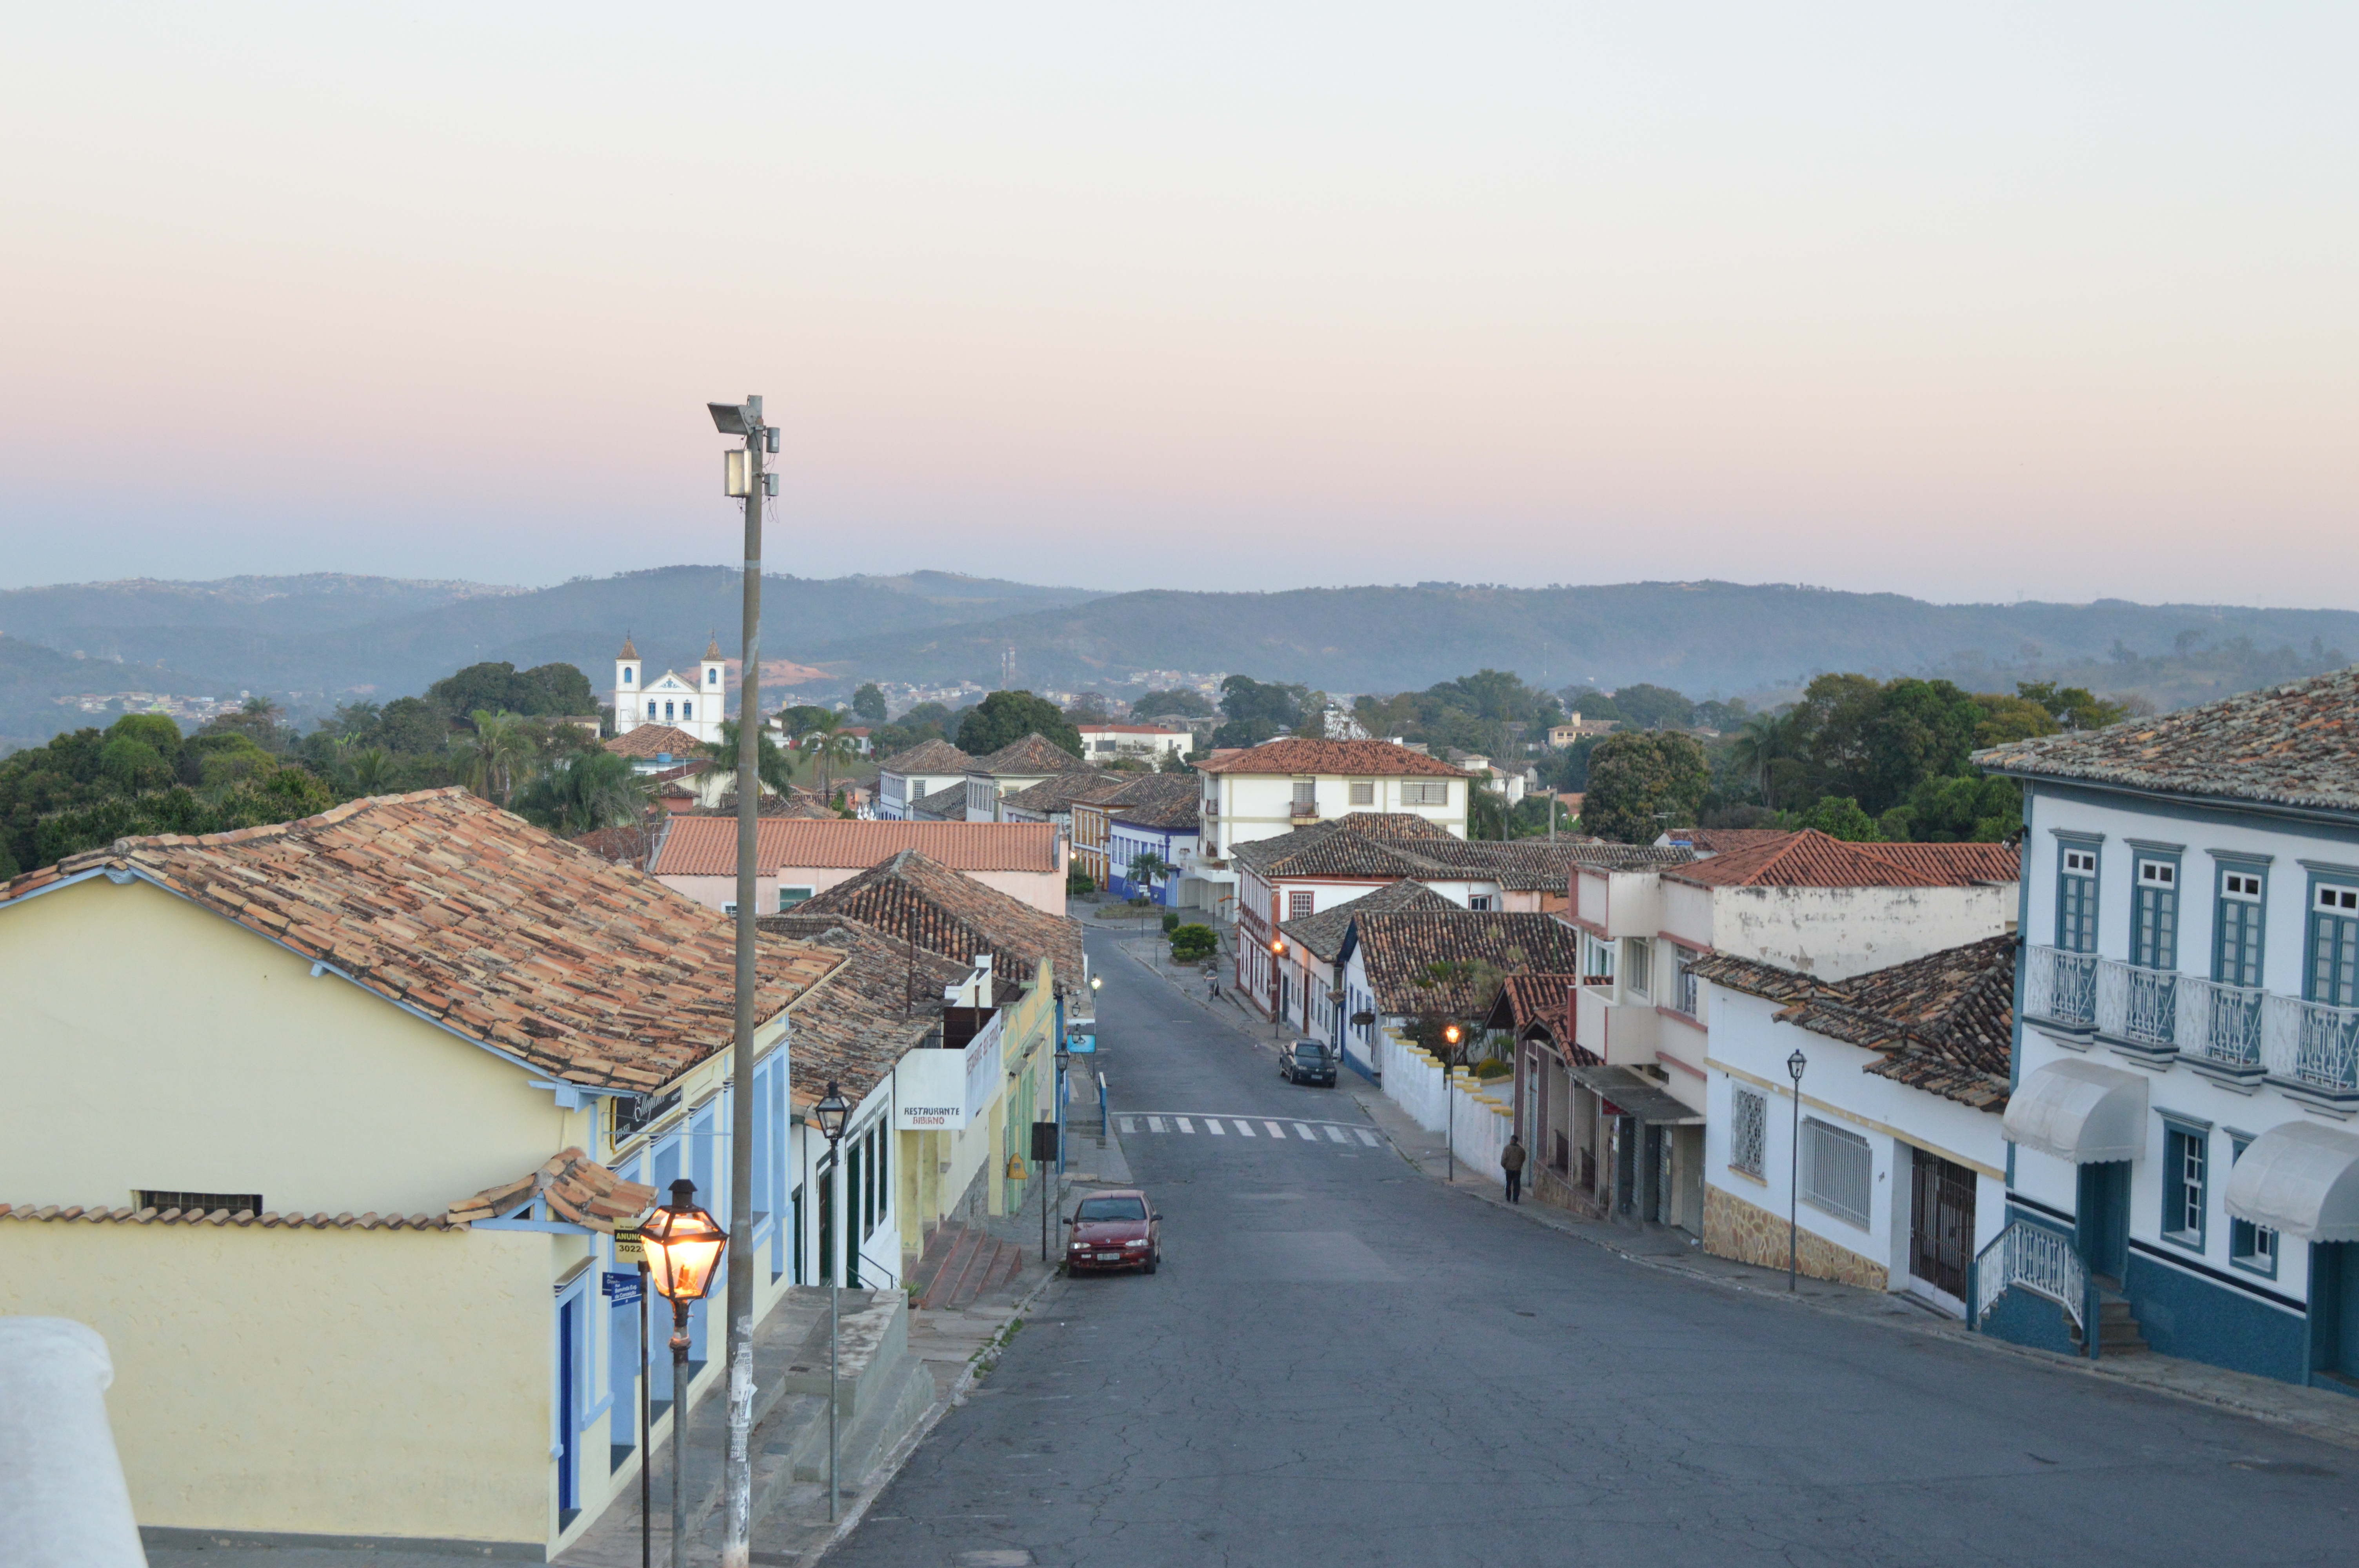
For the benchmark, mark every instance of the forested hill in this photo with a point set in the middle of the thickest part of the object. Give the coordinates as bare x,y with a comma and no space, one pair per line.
1700,637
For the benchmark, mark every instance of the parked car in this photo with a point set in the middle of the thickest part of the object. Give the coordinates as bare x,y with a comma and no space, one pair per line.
1306,1062
1116,1230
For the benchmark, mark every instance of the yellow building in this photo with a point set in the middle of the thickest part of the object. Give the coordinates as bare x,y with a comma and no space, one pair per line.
314,1123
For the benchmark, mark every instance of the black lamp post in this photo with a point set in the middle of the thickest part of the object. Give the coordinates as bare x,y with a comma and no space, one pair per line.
1451,1034
1277,988
683,1246
831,1113
1794,1064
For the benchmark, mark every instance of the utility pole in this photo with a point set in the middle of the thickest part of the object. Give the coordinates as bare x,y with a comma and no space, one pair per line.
743,477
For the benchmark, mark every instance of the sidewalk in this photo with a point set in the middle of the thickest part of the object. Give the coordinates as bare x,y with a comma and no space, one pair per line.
2315,1412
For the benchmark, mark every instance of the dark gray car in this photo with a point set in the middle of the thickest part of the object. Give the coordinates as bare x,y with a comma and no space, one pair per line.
1306,1062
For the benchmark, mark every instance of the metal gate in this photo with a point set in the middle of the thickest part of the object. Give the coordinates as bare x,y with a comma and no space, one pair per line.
1942,1221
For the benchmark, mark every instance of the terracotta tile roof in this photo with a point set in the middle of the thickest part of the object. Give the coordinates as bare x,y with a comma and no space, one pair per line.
482,923
1523,865
1714,840
633,844
2295,744
1400,950
630,649
911,897
1060,793
874,1010
949,803
707,846
1528,999
656,741
1811,859
1034,755
1342,849
271,1220
1161,800
1356,759
576,1188
1322,933
927,757
1597,855
1331,849
1943,1023
1393,825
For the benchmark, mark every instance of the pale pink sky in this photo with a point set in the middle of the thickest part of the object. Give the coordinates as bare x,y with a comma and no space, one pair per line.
2035,299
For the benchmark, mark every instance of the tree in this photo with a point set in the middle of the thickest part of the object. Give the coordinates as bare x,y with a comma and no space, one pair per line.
1840,817
827,744
2072,707
257,721
1193,943
774,765
1178,703
1258,710
1977,810
1767,739
408,728
868,704
2007,718
1146,868
497,757
1644,707
545,690
1006,717
584,793
1643,782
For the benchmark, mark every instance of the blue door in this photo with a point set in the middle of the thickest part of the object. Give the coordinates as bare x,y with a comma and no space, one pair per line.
2105,1218
568,1413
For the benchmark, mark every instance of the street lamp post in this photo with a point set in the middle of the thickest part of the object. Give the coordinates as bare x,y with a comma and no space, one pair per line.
1794,1064
1276,990
1450,1037
831,1113
682,1244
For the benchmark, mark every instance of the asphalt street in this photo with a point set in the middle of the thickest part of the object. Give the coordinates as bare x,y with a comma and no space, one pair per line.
1342,1362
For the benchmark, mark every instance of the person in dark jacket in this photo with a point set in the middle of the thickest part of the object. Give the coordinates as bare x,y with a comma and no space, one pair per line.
1511,1160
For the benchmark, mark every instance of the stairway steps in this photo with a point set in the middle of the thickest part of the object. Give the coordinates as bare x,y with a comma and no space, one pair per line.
956,1259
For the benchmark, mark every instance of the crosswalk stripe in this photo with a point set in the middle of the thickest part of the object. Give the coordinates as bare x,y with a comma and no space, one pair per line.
1185,1125
1307,1136
1244,1128
1154,1124
1275,1130
1337,1134
1366,1136
1127,1124
1213,1125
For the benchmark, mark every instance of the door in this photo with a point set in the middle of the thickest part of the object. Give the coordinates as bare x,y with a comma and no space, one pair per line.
2104,1225
2334,1309
569,1414
1941,1222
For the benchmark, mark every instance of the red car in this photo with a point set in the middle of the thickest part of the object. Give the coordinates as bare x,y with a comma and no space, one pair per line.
1115,1230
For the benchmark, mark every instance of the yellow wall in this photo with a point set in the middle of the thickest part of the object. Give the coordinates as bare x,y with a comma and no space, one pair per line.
340,1381
167,1047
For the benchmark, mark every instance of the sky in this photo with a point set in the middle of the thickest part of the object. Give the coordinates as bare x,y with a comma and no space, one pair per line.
1972,303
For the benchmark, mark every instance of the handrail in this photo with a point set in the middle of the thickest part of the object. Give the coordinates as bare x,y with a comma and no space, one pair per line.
2035,1259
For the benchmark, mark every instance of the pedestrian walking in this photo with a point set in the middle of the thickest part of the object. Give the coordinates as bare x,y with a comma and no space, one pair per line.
1511,1160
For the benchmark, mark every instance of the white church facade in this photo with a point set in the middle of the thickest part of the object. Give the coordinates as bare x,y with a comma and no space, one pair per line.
694,703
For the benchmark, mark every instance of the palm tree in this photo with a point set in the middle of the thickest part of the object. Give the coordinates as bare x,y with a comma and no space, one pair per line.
497,757
584,792
368,769
1767,739
827,744
773,763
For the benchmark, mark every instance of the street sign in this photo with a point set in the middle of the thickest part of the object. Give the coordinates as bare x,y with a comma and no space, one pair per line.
1044,1141
626,1245
622,1290
1080,1045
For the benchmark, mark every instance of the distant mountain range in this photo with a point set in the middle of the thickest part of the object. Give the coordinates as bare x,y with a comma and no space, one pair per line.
314,640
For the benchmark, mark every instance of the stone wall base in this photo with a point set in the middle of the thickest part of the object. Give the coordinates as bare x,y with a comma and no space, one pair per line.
1551,1186
1751,1234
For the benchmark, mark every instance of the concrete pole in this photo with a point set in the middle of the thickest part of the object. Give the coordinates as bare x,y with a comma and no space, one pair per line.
66,1501
736,1546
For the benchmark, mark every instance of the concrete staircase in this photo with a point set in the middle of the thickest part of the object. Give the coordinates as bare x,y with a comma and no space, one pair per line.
961,1263
2117,1326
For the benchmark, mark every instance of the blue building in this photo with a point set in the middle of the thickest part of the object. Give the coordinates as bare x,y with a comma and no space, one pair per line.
1166,828
2183,1167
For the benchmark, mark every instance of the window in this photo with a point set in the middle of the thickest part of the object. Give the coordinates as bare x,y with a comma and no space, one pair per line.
2184,1150
688,710
2076,899
2333,974
1111,1211
1637,959
1425,792
1596,960
667,710
1684,987
1364,791
713,677
2153,931
1299,905
789,897
2250,1246
200,1202
1479,902
1838,1171
627,677
651,707
1748,1130
1305,791
2236,929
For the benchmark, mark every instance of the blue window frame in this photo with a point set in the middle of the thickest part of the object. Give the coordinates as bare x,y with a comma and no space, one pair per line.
2240,905
2186,1165
2154,919
2250,1246
713,677
627,677
2076,896
688,710
667,707
2331,975
651,707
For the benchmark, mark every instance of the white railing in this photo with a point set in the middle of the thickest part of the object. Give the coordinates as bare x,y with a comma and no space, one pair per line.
2138,1004
2221,1024
2060,985
2310,1043
2038,1260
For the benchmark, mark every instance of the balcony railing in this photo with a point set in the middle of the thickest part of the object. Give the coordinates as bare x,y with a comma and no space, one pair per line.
2037,1259
2239,1027
1303,808
2060,986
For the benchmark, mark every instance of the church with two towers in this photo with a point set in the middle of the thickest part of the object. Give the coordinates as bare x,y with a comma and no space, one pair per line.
692,703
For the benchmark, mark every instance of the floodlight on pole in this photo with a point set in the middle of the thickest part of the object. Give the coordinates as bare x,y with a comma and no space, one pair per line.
729,419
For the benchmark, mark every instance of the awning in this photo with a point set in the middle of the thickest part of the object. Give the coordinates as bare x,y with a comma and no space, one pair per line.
2300,1180
2079,1111
1636,1096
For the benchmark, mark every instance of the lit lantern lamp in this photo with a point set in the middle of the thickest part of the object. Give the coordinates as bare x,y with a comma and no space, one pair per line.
684,1246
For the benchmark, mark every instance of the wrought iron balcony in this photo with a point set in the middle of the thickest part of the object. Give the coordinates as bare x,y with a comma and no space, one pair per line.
2240,1030
1304,808
2061,986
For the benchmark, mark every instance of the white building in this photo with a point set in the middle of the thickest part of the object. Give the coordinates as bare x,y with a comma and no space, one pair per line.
2183,1163
924,768
1106,739
1901,1161
695,703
